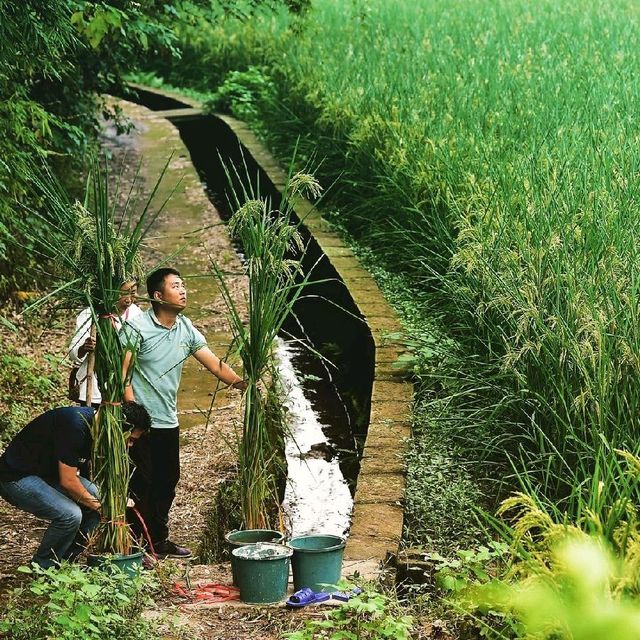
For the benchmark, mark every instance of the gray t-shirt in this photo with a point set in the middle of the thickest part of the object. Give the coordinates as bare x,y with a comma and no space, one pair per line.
159,354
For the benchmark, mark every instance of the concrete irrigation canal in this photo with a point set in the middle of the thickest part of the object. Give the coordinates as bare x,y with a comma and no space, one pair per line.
349,422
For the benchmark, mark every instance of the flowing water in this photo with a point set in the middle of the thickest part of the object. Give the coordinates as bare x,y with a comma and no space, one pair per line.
317,496
327,407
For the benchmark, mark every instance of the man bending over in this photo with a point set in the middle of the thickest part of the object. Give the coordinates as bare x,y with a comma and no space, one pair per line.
44,472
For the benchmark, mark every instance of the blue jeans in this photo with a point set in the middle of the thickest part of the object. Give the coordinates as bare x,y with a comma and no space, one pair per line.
70,523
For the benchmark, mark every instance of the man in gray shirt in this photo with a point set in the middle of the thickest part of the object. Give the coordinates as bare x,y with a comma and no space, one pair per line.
162,339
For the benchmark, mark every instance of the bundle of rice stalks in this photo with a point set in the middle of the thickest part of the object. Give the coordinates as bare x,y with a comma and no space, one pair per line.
94,246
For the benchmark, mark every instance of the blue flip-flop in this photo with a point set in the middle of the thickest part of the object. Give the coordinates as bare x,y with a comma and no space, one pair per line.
305,596
345,596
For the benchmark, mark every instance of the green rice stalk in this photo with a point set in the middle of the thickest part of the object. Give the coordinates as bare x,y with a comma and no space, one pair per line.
100,251
275,284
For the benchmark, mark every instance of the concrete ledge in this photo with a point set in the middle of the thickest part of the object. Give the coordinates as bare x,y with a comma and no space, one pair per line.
381,460
374,488
382,520
179,114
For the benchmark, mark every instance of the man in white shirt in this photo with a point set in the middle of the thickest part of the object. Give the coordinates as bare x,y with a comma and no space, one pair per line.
84,343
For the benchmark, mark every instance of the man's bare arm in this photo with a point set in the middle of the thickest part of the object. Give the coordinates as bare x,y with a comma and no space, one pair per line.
70,482
220,369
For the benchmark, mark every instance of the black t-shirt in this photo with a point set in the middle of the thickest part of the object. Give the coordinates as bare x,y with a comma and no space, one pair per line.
59,435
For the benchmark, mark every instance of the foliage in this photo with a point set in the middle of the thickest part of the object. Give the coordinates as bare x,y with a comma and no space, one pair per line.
442,494
50,108
604,505
370,615
29,31
573,596
268,237
445,486
57,60
568,579
608,509
73,602
23,387
97,253
242,93
22,373
470,566
519,221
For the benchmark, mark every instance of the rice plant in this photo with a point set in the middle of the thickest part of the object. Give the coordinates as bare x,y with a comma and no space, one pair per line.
572,578
489,150
576,592
99,250
276,282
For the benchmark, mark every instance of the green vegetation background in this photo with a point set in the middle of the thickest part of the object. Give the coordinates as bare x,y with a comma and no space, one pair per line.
484,156
485,159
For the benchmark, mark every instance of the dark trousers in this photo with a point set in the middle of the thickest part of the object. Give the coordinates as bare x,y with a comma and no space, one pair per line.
156,457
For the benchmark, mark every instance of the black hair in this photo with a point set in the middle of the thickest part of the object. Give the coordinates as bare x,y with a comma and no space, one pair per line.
135,417
156,278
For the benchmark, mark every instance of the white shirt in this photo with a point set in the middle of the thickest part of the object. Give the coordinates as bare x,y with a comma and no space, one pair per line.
83,331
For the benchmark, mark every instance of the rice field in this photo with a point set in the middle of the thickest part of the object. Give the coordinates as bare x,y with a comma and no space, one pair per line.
490,150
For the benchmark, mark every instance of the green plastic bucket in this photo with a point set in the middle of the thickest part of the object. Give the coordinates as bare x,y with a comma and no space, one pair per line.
131,563
237,539
317,561
262,580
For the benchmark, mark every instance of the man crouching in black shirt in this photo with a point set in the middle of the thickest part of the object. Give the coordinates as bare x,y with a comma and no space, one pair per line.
43,472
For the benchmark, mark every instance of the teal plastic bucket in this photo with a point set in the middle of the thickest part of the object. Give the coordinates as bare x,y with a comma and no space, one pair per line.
237,539
262,580
317,561
130,564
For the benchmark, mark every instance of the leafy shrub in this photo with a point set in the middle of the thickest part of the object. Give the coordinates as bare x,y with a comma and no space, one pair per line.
74,603
470,566
368,616
51,110
243,93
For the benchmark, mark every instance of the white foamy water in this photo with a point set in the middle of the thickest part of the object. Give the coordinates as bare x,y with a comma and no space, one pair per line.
317,498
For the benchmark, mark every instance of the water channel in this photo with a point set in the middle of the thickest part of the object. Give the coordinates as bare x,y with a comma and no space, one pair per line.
328,398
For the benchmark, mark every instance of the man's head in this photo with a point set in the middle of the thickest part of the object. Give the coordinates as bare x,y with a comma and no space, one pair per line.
137,421
166,289
128,293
